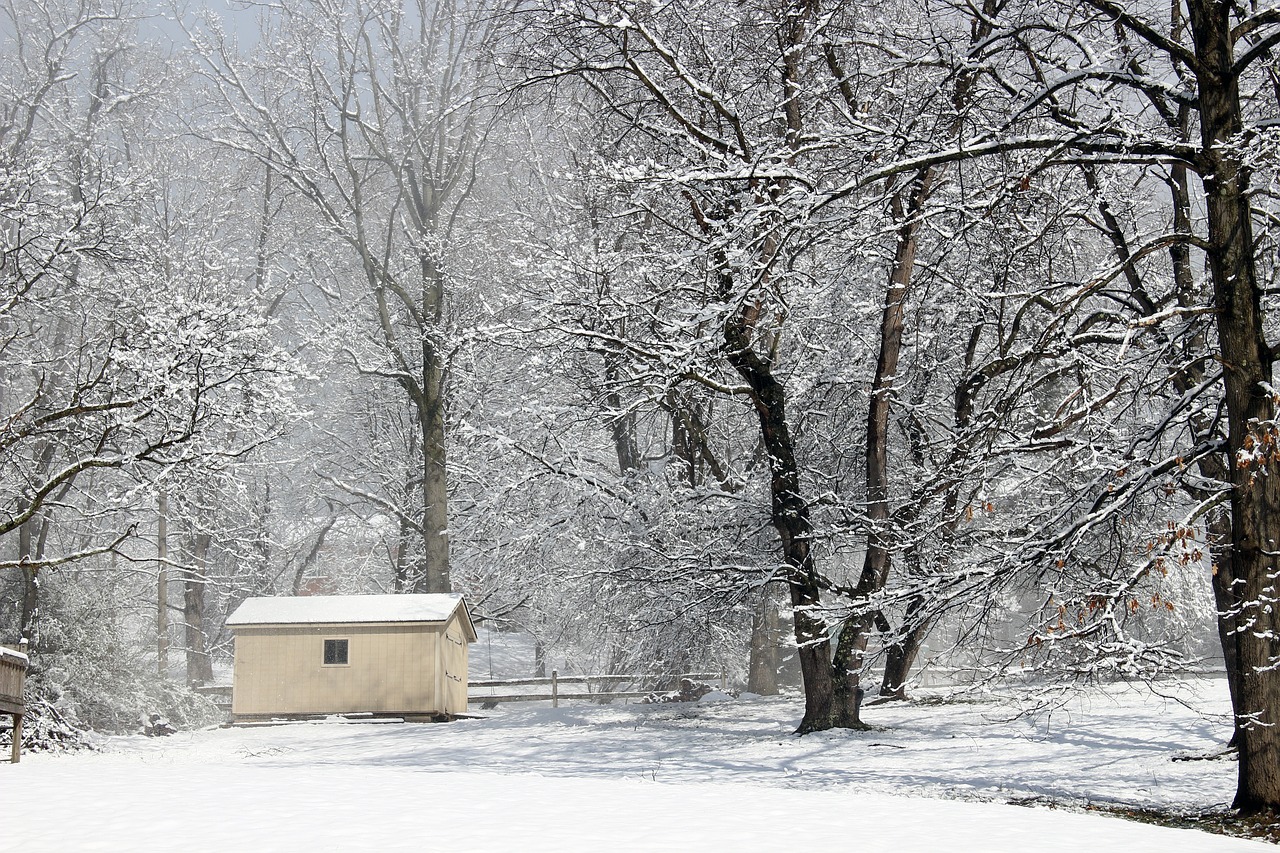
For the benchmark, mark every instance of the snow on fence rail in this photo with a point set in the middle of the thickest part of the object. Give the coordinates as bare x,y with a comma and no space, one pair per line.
13,676
555,694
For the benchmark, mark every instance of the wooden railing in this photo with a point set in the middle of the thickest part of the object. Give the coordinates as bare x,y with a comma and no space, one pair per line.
219,694
13,676
643,685
556,681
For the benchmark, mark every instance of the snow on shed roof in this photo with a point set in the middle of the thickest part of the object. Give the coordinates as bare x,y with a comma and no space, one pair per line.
332,609
14,655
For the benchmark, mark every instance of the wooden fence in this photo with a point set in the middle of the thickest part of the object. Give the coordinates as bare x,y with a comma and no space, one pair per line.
643,685
219,694
13,676
579,688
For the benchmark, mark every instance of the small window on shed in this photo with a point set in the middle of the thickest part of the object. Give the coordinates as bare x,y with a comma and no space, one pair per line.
335,652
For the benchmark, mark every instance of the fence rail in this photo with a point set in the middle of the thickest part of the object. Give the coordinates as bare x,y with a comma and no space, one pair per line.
219,694
649,682
556,680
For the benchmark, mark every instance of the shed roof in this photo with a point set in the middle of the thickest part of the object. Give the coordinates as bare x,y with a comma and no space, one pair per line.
14,655
343,609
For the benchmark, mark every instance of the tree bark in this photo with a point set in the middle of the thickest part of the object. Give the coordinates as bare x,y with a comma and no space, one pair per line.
30,547
762,665
195,582
435,488
901,654
1214,467
539,659
162,585
432,403
404,570
622,421
826,705
29,628
682,443
300,574
852,644
1251,410
1227,600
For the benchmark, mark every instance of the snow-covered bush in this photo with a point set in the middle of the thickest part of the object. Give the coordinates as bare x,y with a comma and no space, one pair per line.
92,672
46,728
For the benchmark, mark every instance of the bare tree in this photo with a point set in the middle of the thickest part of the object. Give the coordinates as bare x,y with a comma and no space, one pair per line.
1217,54
379,135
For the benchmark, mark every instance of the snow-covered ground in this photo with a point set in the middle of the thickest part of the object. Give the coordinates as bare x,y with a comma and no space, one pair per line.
724,775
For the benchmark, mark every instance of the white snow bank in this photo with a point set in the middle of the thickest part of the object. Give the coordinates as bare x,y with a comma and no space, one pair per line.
719,776
125,807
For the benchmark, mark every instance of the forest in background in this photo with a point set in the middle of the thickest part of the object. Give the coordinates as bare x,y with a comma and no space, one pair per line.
679,335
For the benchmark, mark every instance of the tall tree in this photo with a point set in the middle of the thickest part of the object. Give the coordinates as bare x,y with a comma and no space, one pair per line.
727,142
379,136
1209,63
117,358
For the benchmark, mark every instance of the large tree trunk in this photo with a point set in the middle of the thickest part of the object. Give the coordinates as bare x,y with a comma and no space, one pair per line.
824,707
852,645
901,654
682,442
29,627
762,664
162,585
1214,467
1228,601
404,568
1251,409
31,546
195,581
435,492
431,407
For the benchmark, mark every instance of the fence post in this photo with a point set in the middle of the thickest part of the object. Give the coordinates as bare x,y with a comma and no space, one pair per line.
555,691
16,754
724,678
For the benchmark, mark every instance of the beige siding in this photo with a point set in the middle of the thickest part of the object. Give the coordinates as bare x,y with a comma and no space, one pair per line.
392,668
454,648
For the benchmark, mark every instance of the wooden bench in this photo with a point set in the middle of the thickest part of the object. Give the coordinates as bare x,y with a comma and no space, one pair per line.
13,675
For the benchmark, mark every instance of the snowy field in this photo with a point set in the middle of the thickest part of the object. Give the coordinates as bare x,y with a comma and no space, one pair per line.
721,775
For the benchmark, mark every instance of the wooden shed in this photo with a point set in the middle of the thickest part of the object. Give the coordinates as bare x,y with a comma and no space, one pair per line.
403,655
